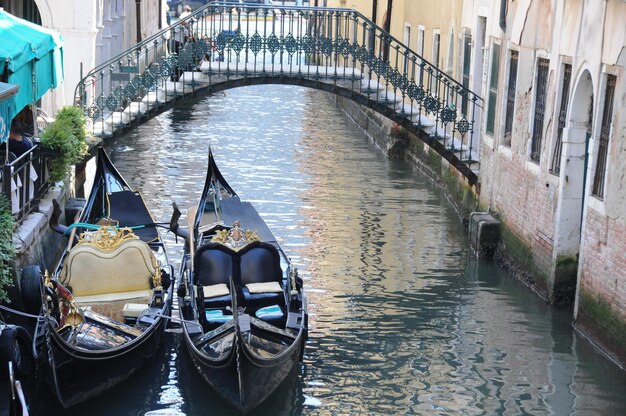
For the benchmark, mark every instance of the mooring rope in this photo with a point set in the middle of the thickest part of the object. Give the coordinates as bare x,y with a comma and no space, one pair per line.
14,311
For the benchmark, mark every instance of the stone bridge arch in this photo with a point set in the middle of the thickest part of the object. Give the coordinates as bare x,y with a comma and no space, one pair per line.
334,50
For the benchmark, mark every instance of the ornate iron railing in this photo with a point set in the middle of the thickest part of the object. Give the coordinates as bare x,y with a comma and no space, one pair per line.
224,45
25,179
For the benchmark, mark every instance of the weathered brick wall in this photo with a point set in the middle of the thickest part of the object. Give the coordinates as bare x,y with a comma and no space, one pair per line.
601,310
603,266
602,278
526,204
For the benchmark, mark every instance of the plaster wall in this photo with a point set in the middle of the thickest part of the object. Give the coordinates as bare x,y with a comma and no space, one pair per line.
76,20
553,216
362,6
443,16
94,31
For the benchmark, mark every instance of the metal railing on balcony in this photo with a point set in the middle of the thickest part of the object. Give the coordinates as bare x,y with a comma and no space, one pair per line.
225,45
25,179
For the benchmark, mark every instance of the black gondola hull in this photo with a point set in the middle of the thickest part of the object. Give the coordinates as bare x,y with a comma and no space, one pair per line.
78,375
242,381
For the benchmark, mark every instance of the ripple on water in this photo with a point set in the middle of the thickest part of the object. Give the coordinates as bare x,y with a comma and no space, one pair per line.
401,322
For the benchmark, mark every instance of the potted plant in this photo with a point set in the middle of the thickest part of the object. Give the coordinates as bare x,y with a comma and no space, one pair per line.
66,137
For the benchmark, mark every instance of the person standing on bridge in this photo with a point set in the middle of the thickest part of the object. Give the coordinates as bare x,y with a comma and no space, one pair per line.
181,35
186,12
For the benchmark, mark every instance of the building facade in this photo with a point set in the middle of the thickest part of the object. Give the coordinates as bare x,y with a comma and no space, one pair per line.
551,73
553,133
93,32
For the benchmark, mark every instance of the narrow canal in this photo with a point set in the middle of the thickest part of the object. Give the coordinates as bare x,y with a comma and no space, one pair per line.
402,320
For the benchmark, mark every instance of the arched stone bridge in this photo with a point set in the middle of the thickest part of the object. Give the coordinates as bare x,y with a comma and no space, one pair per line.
222,46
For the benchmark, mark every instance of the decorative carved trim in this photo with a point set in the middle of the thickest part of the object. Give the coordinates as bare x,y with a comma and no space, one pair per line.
578,124
235,238
107,238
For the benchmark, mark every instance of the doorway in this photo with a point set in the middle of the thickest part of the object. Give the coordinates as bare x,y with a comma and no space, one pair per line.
572,190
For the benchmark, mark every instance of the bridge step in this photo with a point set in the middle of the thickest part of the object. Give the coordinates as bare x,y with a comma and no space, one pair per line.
137,109
195,76
241,69
388,98
371,86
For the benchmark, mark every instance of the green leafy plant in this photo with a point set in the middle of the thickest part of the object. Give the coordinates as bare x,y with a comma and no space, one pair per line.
7,250
76,118
66,136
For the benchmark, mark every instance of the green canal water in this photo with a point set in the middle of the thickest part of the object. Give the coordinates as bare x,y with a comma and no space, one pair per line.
403,321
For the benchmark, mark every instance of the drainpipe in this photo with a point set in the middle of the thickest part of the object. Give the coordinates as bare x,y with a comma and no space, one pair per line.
372,35
503,7
387,28
160,15
374,10
387,23
138,13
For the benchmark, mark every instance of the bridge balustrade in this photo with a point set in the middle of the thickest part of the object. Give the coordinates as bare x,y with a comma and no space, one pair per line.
226,45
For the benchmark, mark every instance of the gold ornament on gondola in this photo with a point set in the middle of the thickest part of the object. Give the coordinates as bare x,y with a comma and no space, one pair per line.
69,312
107,238
235,238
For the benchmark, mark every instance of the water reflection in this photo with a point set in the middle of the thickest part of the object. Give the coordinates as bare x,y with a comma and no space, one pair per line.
401,321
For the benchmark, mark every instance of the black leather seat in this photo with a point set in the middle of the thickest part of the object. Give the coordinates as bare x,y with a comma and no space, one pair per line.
213,264
260,263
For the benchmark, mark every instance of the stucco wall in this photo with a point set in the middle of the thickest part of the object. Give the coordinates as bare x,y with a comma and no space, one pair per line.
550,219
94,31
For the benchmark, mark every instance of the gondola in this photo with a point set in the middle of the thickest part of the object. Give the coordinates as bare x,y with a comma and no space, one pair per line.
103,309
242,302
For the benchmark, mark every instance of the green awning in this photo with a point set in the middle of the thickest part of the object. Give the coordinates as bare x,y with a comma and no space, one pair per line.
33,58
7,104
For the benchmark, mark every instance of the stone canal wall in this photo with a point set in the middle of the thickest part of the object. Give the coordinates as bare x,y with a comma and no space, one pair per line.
525,248
526,209
396,142
34,240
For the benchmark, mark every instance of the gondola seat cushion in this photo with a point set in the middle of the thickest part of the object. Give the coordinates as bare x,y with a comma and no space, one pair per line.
261,275
213,291
108,279
216,316
271,314
134,310
215,296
